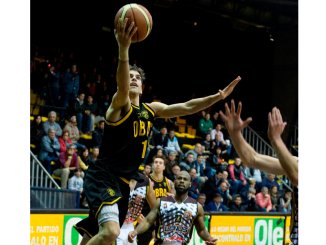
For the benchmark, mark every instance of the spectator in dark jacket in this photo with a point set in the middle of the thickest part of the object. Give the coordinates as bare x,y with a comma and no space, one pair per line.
237,205
97,134
216,205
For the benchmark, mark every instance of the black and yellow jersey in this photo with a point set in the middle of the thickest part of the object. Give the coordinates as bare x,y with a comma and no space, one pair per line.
125,142
161,187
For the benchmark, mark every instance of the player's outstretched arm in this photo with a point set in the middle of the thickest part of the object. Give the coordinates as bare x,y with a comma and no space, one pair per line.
123,35
235,125
287,160
200,227
146,223
192,106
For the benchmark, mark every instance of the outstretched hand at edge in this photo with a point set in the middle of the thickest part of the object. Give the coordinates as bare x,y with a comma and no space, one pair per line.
228,89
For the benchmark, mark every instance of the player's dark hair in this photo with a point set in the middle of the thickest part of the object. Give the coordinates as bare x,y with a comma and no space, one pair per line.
139,70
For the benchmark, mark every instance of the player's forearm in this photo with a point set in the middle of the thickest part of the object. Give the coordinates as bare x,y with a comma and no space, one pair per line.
199,104
288,162
243,149
253,159
123,70
143,226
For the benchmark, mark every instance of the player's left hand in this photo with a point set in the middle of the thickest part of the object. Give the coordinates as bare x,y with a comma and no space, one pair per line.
228,89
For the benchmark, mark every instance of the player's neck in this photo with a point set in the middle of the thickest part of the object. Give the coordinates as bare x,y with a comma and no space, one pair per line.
181,198
158,176
134,99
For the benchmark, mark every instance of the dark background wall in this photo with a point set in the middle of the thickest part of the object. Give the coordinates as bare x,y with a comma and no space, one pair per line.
257,40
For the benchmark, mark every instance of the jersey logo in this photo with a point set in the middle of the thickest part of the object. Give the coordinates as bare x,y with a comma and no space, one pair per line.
144,114
111,191
187,215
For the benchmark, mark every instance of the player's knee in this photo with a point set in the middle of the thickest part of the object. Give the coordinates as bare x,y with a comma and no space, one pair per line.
109,234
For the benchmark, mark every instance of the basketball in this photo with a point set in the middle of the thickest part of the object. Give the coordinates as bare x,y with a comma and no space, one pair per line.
140,15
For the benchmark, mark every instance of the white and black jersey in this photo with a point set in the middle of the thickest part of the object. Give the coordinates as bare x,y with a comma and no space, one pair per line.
176,219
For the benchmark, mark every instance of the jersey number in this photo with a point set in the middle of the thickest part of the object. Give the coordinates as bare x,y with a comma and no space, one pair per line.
144,149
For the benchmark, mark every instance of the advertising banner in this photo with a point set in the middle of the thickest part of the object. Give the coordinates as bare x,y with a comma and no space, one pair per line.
57,229
54,229
250,230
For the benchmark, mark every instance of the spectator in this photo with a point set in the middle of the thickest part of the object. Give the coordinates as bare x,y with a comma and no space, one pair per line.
200,167
285,202
173,145
94,154
202,199
216,205
188,162
205,125
98,133
70,85
51,123
237,179
219,160
171,161
90,110
263,200
269,181
53,85
237,205
64,140
68,163
254,173
147,169
208,144
195,187
76,183
84,159
50,149
223,190
73,130
215,119
275,197
250,202
198,150
36,133
217,131
175,171
159,141
211,185
79,109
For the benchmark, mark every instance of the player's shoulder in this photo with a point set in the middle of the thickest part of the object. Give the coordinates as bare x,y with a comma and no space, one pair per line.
192,200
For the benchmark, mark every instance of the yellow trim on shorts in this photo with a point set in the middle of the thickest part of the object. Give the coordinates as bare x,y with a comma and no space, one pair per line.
106,203
120,120
85,231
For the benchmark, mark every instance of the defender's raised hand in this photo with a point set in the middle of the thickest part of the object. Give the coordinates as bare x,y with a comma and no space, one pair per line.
275,124
232,118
